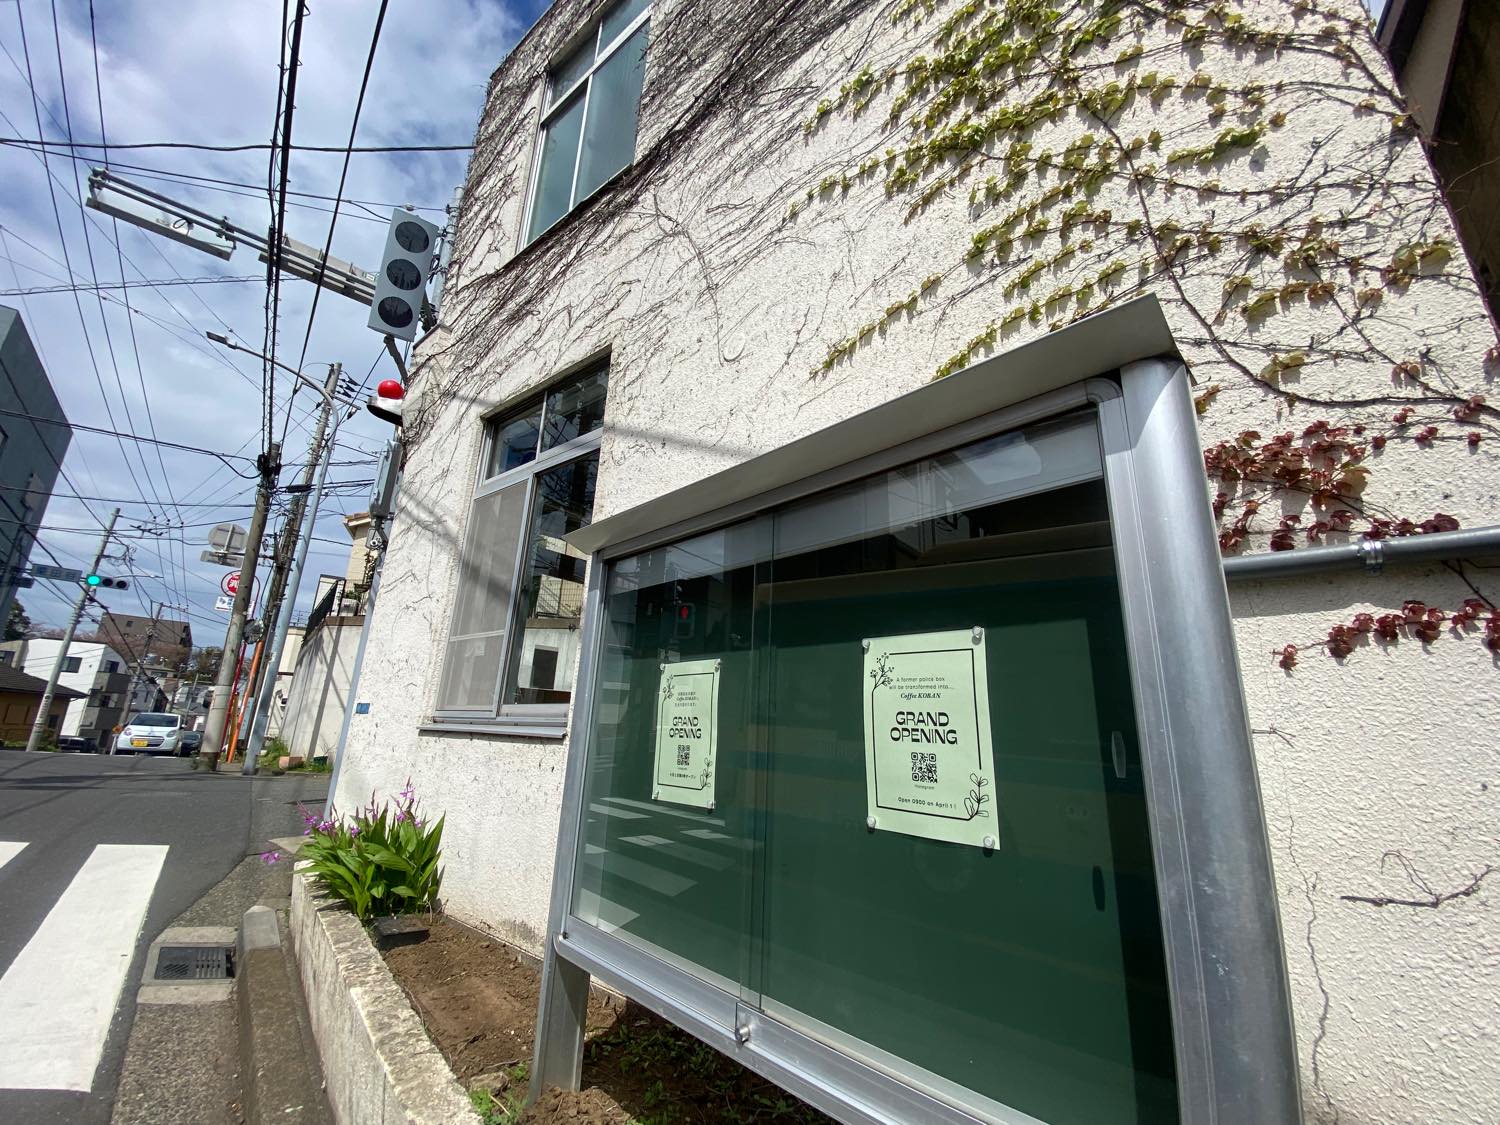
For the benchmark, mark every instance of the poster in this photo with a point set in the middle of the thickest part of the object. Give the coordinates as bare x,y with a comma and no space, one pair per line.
929,765
687,733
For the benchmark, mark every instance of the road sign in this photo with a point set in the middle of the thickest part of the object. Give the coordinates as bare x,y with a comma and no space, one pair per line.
144,213
56,573
223,558
227,538
223,603
230,583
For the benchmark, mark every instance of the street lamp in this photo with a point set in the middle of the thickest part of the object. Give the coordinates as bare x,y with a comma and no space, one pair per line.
234,346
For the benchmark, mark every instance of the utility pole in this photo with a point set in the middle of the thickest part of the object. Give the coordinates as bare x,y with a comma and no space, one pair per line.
40,726
269,463
306,515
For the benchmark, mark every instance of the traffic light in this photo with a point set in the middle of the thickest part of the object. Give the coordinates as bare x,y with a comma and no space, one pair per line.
401,281
684,622
94,581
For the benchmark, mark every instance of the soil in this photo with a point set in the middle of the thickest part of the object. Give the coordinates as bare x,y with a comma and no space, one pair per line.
478,999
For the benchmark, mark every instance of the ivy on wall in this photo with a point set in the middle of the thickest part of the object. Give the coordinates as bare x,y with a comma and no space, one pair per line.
1250,165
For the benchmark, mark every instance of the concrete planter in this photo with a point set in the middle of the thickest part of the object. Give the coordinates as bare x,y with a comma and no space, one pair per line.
379,1064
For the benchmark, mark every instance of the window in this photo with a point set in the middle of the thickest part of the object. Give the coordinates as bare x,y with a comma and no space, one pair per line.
589,124
513,636
111,666
72,663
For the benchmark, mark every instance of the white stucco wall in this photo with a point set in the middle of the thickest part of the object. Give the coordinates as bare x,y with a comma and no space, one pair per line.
318,689
717,331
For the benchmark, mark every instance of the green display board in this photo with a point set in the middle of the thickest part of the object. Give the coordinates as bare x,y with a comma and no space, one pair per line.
1026,972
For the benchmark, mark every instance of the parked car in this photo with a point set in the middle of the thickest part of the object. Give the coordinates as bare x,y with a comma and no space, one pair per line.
151,732
76,744
191,741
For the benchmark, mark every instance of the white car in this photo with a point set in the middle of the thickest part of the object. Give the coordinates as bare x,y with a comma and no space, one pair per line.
150,732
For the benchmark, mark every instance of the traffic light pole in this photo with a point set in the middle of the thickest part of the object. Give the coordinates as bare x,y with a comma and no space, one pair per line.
213,729
39,727
318,455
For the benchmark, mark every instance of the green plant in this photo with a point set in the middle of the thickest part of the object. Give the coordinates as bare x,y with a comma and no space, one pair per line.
504,1105
384,859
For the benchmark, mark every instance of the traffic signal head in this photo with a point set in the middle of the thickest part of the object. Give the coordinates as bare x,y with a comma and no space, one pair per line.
401,282
94,581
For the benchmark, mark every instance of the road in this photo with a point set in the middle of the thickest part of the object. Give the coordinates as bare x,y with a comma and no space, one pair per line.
98,855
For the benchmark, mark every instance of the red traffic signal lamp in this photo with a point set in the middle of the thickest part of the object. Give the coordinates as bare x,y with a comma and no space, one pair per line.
388,401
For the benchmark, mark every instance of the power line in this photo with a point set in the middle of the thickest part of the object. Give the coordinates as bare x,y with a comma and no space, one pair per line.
118,147
63,240
55,495
128,437
107,286
278,221
359,104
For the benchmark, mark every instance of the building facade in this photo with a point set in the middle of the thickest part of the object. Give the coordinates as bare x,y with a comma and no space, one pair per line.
161,643
34,437
100,677
827,206
20,696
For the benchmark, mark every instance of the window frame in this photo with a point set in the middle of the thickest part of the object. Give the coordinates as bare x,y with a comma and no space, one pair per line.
553,101
536,720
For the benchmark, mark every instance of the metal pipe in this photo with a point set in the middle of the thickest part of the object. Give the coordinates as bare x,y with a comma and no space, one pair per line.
1370,554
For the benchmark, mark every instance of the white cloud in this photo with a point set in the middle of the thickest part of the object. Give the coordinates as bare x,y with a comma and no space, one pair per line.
206,71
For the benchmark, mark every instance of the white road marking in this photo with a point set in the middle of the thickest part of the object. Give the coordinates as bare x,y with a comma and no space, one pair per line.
59,995
8,851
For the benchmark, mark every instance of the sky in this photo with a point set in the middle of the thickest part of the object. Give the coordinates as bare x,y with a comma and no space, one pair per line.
206,71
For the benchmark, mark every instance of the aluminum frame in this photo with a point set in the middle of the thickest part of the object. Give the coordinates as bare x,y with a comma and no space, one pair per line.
544,720
1234,1043
552,103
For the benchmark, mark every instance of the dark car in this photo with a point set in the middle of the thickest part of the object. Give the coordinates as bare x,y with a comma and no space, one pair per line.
189,742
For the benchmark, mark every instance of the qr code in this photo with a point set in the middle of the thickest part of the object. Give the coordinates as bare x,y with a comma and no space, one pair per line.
684,756
924,767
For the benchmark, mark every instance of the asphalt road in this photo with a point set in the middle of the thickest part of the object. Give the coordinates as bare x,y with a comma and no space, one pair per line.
98,855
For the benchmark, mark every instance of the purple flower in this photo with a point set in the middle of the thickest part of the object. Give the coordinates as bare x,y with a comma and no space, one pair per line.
354,829
270,857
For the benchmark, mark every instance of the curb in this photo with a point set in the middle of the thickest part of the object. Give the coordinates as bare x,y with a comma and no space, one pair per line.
278,1083
381,1067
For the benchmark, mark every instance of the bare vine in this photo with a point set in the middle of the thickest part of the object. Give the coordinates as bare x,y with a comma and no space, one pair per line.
1250,163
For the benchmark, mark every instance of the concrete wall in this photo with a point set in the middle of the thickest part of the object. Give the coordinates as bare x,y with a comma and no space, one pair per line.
319,687
727,273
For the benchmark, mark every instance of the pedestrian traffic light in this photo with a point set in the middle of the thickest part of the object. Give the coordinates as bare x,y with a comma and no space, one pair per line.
94,581
401,281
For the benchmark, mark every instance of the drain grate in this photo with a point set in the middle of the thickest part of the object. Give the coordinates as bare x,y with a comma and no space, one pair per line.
195,962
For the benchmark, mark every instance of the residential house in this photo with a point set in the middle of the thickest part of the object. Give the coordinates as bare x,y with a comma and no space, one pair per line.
20,696
776,336
100,678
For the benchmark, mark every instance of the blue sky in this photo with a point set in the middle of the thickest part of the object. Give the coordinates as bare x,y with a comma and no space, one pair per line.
206,71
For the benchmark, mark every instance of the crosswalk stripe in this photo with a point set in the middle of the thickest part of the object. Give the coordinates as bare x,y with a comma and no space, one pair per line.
8,851
59,995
